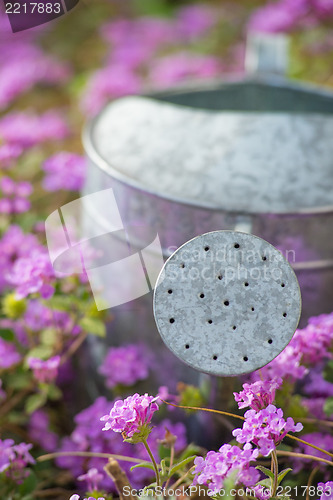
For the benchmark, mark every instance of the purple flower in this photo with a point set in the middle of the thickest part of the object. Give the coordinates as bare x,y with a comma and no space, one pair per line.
15,196
131,416
13,245
14,459
124,365
93,479
64,171
26,129
8,354
216,467
77,497
257,395
33,274
280,16
9,153
324,441
265,428
108,83
39,431
38,317
194,21
87,436
176,68
45,371
327,490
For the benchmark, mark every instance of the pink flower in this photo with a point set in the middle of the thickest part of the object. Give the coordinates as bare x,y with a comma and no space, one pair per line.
64,170
131,416
9,153
45,371
183,66
124,365
33,274
257,395
92,478
327,490
195,20
14,459
108,83
216,467
265,428
77,497
280,16
27,129
16,194
8,354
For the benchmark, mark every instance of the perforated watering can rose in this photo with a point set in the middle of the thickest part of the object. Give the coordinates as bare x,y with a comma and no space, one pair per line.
227,303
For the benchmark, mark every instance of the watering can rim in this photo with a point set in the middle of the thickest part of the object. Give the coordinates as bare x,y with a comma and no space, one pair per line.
270,81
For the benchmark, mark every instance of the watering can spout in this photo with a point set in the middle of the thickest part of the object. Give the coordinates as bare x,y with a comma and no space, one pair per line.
267,54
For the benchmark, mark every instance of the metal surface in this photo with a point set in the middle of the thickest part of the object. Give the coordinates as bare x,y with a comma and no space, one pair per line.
227,303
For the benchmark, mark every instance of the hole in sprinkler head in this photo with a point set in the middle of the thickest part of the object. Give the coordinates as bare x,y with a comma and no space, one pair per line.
201,295
210,321
215,357
187,346
172,320
264,257
252,308
234,327
245,358
270,341
236,245
170,291
219,277
206,249
284,315
246,283
283,285
226,302
182,265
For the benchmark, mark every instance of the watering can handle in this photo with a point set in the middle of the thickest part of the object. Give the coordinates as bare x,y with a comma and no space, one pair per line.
267,54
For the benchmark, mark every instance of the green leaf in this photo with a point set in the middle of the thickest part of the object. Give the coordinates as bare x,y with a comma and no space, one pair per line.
93,326
163,467
61,302
34,402
190,450
266,471
282,474
266,483
28,485
145,465
53,392
181,464
19,380
41,352
328,372
48,337
328,406
7,335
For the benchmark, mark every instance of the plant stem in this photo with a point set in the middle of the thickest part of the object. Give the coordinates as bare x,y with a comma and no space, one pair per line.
172,456
146,445
304,456
87,454
276,472
242,418
312,475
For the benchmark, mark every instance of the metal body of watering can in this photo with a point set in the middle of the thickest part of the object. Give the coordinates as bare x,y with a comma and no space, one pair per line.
253,155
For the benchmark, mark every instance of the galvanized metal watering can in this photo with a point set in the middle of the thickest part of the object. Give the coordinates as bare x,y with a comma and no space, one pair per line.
253,155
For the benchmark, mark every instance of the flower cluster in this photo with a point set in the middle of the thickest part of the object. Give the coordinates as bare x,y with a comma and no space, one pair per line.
33,274
327,490
131,416
25,129
14,459
229,460
124,365
92,478
15,196
77,497
45,371
265,428
257,395
64,171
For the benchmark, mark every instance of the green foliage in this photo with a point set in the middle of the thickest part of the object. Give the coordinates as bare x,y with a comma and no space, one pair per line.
328,406
93,326
13,307
34,402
